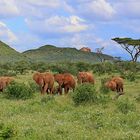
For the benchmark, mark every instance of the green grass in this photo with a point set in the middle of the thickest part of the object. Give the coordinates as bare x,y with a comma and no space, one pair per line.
57,118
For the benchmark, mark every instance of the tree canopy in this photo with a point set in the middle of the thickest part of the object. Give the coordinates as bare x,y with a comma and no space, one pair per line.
132,46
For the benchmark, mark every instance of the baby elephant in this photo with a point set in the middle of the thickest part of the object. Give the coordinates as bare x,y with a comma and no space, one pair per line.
116,84
85,77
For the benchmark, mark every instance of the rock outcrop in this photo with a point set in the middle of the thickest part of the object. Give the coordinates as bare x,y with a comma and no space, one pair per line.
85,49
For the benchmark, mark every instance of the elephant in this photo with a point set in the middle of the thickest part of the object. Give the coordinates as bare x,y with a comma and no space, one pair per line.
116,84
119,83
4,82
85,77
111,85
45,81
65,81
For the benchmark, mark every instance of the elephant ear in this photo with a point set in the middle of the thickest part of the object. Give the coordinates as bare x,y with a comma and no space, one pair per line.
38,78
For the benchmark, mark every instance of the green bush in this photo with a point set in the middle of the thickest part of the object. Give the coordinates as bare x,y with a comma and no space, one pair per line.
99,69
137,98
6,132
103,88
131,76
34,87
125,106
84,93
18,91
3,72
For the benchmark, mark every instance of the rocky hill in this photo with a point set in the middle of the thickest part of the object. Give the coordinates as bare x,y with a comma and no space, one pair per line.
53,54
8,54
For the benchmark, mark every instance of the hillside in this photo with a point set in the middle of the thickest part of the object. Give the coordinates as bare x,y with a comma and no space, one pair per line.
49,53
8,54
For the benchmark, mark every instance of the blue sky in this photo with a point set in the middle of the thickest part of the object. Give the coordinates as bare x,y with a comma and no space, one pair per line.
69,23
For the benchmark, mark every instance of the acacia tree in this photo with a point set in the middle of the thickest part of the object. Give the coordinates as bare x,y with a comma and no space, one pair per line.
99,53
132,46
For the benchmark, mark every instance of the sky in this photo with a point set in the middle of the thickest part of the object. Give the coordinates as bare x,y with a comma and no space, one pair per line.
29,24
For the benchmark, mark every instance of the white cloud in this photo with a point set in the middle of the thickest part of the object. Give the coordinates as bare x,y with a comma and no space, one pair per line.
58,24
97,9
8,8
32,8
6,34
128,9
48,3
79,40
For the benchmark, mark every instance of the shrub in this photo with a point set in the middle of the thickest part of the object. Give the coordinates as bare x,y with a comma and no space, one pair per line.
6,132
34,87
103,88
137,98
3,72
125,106
84,93
99,69
18,91
131,76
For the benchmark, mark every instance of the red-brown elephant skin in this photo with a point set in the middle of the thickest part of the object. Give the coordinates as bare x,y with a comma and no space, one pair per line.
65,81
116,84
85,77
45,81
5,81
119,83
111,85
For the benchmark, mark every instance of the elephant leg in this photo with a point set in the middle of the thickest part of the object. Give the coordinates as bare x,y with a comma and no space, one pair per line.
117,88
60,90
51,90
41,89
122,89
45,89
1,90
66,89
48,91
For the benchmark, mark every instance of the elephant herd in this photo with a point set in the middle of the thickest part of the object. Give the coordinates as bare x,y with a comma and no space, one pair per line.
66,81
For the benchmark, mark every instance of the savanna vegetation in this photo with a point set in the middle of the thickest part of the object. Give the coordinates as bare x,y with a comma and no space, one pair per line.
87,113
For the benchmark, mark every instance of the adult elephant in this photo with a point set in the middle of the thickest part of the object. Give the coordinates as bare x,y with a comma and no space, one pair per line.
45,81
85,77
65,81
4,82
